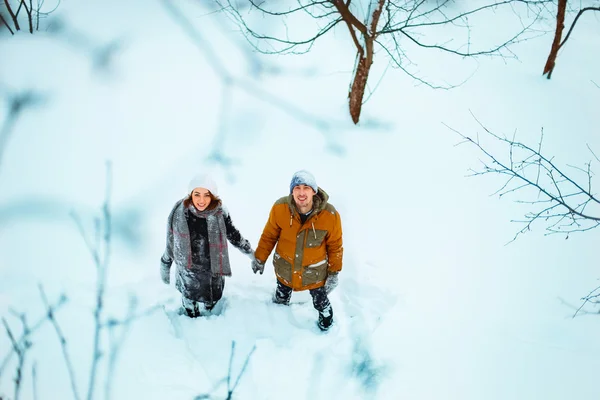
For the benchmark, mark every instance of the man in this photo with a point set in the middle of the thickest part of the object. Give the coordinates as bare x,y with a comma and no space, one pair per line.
308,233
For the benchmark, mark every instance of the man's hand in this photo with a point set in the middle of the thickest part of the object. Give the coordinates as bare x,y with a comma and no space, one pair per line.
258,266
331,282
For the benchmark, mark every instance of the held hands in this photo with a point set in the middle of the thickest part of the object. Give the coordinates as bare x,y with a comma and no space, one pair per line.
331,282
257,266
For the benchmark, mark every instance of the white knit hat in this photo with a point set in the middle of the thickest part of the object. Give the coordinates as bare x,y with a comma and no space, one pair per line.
202,181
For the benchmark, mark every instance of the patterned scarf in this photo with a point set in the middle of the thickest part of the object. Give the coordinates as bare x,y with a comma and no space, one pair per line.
217,237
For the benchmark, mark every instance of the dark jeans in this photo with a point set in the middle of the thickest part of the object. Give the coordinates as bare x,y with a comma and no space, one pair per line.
319,296
210,294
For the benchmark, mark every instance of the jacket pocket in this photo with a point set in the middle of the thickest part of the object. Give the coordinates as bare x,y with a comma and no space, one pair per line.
314,273
283,268
314,237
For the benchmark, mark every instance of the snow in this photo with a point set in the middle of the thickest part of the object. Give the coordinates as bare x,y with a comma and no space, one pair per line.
432,302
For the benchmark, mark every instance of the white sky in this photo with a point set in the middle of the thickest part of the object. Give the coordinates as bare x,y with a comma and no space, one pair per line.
429,292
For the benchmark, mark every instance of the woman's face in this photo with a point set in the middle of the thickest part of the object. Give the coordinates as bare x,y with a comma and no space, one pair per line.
201,198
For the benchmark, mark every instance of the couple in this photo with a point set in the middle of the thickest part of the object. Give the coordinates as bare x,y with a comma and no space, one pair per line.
305,227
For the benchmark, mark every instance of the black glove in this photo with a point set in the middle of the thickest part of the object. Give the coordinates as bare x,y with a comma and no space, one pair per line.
258,266
165,270
331,282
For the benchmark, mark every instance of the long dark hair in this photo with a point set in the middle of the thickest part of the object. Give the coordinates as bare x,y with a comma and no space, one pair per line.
215,201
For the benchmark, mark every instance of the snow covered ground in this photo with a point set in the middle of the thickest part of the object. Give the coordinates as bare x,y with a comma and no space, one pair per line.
432,303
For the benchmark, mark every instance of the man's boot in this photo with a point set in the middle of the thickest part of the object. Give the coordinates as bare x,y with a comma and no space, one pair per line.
325,318
282,294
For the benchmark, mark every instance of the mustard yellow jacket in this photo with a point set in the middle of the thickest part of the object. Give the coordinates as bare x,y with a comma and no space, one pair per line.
305,253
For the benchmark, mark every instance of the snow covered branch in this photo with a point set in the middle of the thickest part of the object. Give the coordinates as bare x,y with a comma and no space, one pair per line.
566,203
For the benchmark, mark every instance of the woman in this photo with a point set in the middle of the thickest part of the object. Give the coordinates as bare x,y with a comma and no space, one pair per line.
197,232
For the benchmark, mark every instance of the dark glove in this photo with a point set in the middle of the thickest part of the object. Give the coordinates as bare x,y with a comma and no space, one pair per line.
165,270
331,282
258,266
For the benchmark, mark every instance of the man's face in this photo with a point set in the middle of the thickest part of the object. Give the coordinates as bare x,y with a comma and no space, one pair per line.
303,196
201,198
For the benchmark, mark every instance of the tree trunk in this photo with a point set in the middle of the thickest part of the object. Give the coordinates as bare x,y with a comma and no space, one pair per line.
560,26
358,87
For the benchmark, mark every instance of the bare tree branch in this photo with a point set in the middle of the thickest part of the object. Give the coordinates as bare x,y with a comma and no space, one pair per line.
34,381
230,81
101,271
557,44
592,297
567,198
63,343
359,48
230,389
28,10
17,103
594,154
116,343
407,19
12,15
237,381
6,24
560,25
575,22
20,351
25,335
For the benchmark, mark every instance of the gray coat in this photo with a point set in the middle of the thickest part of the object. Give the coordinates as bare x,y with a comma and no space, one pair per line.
197,244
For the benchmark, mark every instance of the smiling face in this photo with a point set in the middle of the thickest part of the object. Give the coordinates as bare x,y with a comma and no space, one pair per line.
303,196
201,198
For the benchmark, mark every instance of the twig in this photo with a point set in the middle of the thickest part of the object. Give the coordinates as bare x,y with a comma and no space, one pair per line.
63,343
558,189
29,16
6,24
229,369
591,296
237,381
34,380
24,337
592,151
21,358
407,21
575,22
101,270
12,15
17,104
230,390
324,125
116,343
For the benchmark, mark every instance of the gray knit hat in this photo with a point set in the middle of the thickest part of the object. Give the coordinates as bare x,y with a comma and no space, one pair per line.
304,177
